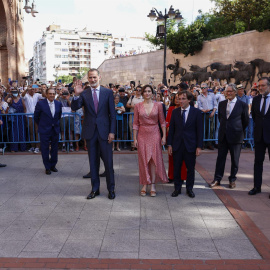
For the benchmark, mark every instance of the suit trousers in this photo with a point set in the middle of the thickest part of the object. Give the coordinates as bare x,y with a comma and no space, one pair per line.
190,159
96,148
260,148
223,148
45,142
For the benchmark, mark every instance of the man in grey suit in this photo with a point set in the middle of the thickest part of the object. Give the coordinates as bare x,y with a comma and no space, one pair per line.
98,128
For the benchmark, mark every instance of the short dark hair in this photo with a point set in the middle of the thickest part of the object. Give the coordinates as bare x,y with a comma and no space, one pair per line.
183,86
48,89
147,85
265,78
93,69
187,93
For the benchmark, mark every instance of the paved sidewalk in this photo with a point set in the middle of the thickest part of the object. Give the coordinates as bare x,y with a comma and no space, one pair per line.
48,216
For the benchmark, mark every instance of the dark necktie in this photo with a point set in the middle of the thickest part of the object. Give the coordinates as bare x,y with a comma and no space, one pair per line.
184,117
264,105
95,99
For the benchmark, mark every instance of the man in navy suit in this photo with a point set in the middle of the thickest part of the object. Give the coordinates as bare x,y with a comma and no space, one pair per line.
185,141
47,115
98,128
260,112
233,117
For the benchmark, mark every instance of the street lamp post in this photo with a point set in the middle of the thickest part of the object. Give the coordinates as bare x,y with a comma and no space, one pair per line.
160,18
29,9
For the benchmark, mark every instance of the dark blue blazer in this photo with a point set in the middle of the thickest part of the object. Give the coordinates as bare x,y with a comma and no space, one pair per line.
43,117
261,122
105,118
191,134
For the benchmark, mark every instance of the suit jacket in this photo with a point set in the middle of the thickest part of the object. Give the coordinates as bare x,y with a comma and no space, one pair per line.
233,127
261,122
105,118
191,134
43,117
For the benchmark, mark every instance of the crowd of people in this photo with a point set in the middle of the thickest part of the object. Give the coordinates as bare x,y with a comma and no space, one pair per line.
144,115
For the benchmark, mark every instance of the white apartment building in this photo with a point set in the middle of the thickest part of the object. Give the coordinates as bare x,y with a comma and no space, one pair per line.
66,52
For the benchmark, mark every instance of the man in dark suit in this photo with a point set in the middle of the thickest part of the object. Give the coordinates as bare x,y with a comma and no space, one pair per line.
185,141
261,117
233,117
47,115
98,128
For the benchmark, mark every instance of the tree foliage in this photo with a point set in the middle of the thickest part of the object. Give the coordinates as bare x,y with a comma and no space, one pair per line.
65,78
228,17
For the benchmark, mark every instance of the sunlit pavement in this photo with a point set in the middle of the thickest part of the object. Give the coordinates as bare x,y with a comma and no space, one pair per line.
49,217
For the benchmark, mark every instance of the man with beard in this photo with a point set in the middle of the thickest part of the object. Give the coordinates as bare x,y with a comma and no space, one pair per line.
98,128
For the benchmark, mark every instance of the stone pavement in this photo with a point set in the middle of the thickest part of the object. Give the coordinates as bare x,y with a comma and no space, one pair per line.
48,217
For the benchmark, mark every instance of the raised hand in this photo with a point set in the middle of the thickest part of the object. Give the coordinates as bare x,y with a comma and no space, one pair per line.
78,89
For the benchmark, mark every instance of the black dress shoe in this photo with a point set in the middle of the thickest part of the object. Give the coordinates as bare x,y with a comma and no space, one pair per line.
87,175
53,169
103,174
232,184
111,195
176,193
190,193
92,195
48,172
214,183
170,180
254,191
2,165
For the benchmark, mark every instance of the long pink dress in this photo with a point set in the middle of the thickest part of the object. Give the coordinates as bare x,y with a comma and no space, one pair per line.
149,141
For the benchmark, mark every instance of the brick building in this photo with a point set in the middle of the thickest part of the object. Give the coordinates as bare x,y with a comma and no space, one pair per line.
12,63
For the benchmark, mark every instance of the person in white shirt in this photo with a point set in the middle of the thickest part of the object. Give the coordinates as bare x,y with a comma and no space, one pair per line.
31,99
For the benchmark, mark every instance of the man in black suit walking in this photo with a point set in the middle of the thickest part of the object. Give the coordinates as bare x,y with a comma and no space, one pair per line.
233,117
261,117
185,141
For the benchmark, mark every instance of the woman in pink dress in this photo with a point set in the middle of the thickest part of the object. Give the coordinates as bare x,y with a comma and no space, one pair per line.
147,139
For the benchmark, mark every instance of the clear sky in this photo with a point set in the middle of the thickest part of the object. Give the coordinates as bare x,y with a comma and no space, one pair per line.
119,17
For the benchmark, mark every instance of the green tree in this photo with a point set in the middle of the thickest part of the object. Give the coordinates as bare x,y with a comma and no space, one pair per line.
82,72
228,17
65,78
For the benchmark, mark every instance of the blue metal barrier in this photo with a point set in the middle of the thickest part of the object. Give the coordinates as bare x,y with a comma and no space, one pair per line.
19,128
12,132
210,129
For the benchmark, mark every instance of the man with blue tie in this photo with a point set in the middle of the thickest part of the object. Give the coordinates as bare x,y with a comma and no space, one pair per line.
47,115
185,141
98,128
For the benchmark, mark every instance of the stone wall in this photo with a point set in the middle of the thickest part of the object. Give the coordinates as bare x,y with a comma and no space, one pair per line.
242,47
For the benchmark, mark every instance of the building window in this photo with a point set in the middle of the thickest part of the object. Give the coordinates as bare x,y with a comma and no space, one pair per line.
57,43
57,56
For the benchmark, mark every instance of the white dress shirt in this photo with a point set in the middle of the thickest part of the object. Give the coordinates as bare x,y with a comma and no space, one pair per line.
186,113
97,91
231,104
52,107
267,103
31,102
